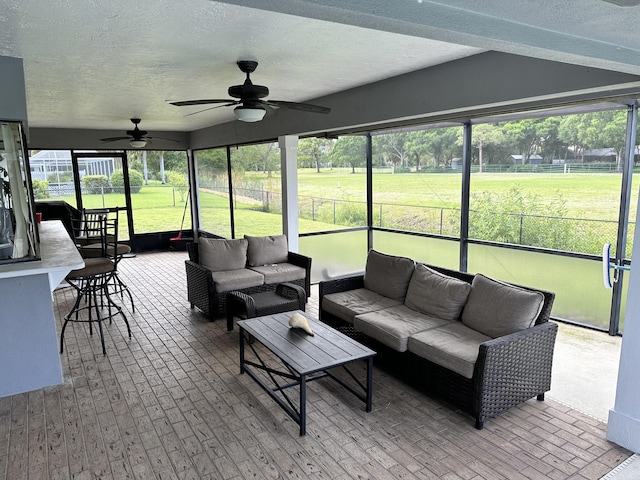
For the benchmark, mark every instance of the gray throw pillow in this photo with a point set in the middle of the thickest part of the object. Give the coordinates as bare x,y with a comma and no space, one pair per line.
495,308
267,250
435,294
388,275
219,254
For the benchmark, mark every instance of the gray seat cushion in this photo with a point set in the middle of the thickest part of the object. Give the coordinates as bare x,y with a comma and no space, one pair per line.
346,305
435,294
92,266
453,346
495,308
236,279
222,254
388,275
281,272
393,326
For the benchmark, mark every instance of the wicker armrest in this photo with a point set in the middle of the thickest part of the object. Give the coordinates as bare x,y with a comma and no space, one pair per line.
300,260
199,285
194,268
304,262
514,368
341,285
293,292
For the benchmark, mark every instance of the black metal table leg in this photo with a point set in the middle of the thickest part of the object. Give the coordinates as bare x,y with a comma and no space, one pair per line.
241,350
303,405
369,383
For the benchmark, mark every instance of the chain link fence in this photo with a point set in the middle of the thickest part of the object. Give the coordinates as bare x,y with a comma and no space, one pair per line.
579,235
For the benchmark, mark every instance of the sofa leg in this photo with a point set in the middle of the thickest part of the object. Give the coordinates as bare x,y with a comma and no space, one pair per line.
479,424
541,397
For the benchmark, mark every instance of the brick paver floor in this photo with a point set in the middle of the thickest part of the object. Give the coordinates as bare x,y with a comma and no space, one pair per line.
169,403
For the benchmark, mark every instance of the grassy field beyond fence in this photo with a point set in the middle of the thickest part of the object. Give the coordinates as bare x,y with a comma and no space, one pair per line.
426,202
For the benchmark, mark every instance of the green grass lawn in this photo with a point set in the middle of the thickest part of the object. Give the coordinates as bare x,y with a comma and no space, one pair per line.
160,208
593,196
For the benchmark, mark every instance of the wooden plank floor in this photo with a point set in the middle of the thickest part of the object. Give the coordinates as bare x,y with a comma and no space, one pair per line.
170,404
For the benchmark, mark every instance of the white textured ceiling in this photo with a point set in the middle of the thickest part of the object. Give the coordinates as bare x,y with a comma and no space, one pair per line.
95,64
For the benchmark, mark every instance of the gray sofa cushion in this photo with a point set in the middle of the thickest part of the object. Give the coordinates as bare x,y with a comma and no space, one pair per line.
453,346
236,279
267,250
282,272
393,326
495,308
388,275
435,294
222,254
346,305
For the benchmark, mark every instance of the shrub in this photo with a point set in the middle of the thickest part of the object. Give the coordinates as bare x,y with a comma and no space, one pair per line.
401,170
95,183
40,189
353,214
524,168
61,177
178,181
435,170
135,180
520,217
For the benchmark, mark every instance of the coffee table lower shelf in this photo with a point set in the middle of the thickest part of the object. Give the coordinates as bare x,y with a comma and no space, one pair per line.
305,359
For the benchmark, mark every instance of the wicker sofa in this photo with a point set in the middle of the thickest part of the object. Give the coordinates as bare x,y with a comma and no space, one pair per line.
250,265
479,344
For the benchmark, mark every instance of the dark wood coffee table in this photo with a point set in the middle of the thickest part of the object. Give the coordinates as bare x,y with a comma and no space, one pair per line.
305,358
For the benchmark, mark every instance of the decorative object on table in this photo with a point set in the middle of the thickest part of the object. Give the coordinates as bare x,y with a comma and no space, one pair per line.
299,321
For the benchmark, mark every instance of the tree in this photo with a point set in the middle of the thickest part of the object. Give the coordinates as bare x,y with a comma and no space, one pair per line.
350,151
262,157
211,163
523,136
393,147
441,145
485,136
594,130
314,151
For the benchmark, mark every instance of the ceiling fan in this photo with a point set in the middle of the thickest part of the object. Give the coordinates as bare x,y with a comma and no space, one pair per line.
251,106
137,138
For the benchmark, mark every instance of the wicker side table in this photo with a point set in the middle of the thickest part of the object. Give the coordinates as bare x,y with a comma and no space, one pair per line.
285,298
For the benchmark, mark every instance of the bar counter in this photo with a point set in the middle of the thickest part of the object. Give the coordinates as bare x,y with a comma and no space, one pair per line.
29,357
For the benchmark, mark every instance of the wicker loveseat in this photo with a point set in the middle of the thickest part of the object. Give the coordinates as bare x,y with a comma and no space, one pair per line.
479,344
249,265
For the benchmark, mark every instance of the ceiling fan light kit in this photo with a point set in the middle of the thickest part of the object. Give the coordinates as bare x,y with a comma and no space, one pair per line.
138,143
249,114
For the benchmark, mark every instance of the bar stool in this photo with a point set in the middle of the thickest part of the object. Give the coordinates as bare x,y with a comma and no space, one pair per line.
116,251
91,284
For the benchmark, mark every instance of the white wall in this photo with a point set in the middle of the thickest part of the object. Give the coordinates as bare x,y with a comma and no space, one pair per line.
13,99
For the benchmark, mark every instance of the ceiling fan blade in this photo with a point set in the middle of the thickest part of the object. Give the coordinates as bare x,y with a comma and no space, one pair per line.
161,138
187,103
114,139
229,104
305,107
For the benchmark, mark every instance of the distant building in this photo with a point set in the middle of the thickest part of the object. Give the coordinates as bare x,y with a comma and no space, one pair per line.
56,164
600,155
533,159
